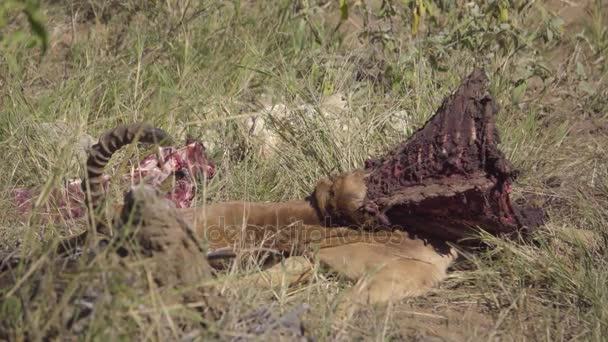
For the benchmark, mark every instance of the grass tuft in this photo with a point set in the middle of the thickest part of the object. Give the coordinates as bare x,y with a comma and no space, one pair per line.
328,88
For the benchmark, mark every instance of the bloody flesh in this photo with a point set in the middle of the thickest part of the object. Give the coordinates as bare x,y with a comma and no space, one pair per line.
450,176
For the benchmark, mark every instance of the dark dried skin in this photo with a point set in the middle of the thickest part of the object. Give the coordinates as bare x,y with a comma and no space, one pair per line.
449,175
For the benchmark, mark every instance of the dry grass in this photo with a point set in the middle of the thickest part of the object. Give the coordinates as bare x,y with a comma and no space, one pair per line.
199,68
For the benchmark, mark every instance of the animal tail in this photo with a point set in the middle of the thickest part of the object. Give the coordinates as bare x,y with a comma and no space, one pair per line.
101,153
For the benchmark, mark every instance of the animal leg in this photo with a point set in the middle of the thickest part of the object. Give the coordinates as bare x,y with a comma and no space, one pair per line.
289,272
388,271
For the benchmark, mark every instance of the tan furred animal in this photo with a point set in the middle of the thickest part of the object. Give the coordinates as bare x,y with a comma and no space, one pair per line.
388,265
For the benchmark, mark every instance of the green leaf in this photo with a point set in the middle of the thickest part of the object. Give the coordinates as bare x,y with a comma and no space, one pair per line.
11,310
503,12
518,92
343,10
31,9
327,88
580,70
38,28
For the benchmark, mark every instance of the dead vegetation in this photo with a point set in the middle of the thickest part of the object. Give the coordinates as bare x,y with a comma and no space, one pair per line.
202,69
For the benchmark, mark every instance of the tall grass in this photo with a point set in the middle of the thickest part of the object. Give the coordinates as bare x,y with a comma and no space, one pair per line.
201,68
